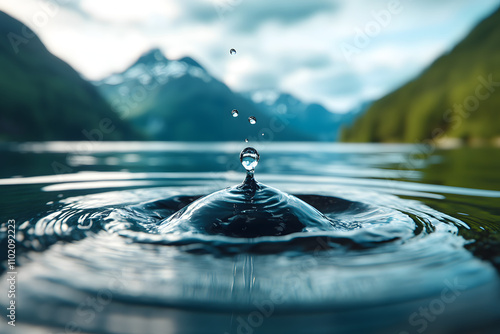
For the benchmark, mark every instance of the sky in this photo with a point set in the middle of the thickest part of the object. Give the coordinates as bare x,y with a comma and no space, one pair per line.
339,53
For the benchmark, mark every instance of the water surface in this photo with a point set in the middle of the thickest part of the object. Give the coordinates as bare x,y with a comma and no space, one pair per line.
414,246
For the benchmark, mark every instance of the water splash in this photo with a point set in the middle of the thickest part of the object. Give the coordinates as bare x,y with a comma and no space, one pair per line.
248,210
378,249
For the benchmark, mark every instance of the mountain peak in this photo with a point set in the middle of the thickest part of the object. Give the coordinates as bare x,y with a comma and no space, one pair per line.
156,55
16,37
151,57
190,61
45,99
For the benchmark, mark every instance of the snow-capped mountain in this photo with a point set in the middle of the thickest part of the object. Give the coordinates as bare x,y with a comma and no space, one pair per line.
179,100
155,67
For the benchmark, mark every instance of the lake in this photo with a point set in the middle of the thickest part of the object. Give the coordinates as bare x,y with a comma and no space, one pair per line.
414,245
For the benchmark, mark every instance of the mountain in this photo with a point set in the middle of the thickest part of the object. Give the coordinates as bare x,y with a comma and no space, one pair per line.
458,96
43,98
179,100
312,119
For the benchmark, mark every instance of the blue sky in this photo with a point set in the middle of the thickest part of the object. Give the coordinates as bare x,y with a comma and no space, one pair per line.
338,53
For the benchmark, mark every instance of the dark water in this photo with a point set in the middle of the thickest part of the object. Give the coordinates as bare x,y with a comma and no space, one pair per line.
407,239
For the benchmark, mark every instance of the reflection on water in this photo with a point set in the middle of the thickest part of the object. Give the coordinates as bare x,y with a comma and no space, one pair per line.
412,232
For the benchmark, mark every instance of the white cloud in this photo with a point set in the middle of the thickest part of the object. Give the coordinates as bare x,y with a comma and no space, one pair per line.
129,11
294,49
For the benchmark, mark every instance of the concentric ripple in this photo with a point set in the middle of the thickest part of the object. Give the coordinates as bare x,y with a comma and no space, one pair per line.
380,247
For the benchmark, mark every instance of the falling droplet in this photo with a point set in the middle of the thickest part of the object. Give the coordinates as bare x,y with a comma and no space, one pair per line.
235,113
249,158
232,52
252,120
262,134
246,140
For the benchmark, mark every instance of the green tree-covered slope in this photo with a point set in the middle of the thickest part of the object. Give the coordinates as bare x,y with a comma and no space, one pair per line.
43,98
458,96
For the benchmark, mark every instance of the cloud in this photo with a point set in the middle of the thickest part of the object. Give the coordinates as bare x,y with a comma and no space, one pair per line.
130,11
251,15
335,88
284,45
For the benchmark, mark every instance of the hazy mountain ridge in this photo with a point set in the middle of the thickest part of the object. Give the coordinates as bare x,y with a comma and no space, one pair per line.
458,96
180,100
43,98
312,118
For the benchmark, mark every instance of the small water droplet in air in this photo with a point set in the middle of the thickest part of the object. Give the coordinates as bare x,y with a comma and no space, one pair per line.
246,140
252,120
234,112
232,52
262,134
249,158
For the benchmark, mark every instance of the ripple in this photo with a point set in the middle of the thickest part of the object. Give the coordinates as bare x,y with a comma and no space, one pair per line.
385,246
378,243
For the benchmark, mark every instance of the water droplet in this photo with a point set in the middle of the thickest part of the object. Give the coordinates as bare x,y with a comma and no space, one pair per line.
235,113
262,134
246,140
249,158
232,52
252,120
